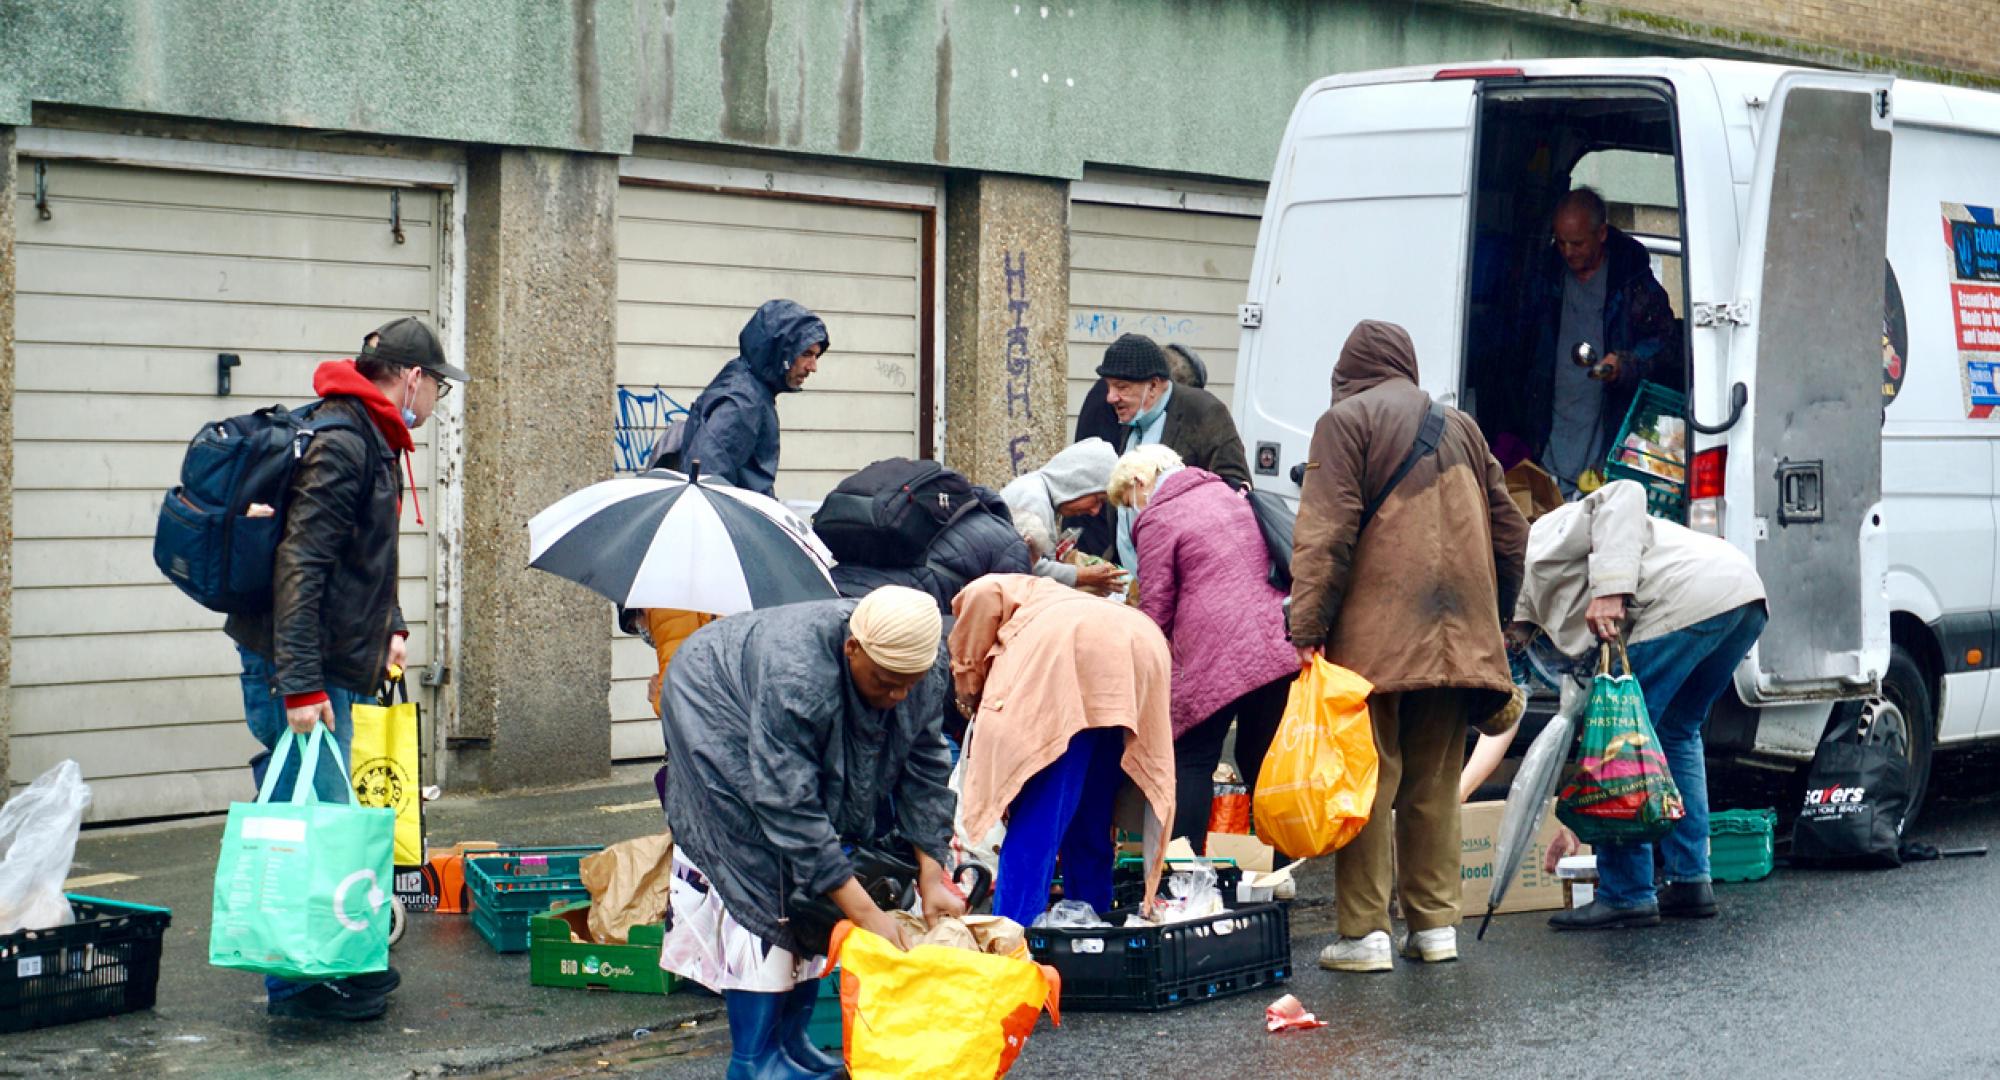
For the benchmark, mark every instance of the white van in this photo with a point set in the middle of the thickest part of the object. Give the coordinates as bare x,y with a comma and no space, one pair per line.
1842,417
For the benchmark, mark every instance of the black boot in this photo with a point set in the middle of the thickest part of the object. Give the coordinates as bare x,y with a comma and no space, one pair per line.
1598,915
1687,900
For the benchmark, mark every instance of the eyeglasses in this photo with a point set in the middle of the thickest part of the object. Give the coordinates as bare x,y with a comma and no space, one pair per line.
444,388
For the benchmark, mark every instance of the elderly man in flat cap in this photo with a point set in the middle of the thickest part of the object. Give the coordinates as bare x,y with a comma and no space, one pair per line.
795,734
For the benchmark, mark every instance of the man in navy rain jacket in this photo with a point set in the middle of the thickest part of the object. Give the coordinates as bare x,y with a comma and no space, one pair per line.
733,426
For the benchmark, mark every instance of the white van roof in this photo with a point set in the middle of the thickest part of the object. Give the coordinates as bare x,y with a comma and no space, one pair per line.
1923,104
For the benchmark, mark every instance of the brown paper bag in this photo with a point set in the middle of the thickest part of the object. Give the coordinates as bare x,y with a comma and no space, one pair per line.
1533,490
628,883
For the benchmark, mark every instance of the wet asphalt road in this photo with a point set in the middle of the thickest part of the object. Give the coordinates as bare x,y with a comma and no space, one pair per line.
1810,973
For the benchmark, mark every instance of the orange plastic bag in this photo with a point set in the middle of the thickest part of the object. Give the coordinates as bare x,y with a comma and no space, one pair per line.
935,1011
1317,785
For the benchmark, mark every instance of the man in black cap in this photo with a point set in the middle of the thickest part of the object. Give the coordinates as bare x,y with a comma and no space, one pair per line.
1151,408
334,627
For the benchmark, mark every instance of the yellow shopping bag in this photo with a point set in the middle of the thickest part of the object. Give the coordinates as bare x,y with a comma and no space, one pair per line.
935,1011
1317,785
385,765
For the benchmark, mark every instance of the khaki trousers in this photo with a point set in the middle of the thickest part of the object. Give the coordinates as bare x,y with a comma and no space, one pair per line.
1420,737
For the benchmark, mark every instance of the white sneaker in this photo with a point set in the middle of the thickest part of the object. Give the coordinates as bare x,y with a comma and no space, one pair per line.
1371,953
1432,946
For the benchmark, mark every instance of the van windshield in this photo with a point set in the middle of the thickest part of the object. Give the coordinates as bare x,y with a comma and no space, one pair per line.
1575,359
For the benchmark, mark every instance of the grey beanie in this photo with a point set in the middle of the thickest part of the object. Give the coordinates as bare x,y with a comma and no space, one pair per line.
1081,469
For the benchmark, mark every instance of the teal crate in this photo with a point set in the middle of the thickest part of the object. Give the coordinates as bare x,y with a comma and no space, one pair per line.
1742,844
509,889
824,1027
1666,497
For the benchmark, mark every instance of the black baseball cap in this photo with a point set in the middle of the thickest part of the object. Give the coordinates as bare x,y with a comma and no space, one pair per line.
409,342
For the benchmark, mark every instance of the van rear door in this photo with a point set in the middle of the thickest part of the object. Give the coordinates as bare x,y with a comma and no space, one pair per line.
1805,462
1366,220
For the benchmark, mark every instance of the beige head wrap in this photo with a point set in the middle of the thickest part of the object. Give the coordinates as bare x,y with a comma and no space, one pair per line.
898,628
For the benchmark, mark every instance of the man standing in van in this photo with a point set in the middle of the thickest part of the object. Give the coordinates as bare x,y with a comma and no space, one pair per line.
1597,288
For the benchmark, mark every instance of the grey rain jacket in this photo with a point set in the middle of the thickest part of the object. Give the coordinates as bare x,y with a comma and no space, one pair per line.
774,759
733,426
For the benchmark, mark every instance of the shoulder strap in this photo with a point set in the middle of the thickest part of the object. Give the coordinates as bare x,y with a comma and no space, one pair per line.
1428,437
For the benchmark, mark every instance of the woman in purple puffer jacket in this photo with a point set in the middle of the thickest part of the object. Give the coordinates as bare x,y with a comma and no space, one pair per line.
1203,578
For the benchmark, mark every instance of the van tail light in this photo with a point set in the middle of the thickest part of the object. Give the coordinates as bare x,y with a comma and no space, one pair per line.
1479,73
1706,481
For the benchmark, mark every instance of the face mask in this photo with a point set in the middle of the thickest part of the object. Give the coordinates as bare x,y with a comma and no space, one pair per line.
1147,414
409,414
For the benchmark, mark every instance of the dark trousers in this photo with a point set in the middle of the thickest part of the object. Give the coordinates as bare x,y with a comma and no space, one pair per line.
1199,750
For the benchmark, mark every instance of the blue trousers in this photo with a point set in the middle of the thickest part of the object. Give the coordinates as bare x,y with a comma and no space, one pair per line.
1063,810
1682,676
264,710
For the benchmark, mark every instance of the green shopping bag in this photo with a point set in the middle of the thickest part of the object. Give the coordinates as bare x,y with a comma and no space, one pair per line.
302,887
1622,791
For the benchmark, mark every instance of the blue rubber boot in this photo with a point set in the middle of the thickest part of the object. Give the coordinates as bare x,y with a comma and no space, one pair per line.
795,1037
756,1050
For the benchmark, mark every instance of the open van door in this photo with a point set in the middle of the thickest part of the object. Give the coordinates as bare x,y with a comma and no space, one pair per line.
1805,462
1366,219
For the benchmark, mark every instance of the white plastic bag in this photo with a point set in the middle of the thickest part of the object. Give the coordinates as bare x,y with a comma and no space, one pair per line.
38,837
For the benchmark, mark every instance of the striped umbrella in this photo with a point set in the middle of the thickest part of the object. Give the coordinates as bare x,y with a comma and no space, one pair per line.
661,539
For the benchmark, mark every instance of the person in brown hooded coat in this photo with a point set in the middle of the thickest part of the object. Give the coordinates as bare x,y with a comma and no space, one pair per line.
1413,604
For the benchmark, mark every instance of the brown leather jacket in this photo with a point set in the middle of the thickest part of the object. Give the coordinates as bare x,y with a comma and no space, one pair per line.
334,604
1415,602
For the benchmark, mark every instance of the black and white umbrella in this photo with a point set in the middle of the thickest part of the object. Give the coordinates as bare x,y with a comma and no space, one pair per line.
662,540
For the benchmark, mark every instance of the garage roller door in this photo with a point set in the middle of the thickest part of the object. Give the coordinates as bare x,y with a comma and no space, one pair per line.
693,265
1175,276
125,298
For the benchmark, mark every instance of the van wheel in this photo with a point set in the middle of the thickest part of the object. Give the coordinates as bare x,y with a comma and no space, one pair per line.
1905,717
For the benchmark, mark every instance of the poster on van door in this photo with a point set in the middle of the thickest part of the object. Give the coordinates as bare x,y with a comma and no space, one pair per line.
1973,238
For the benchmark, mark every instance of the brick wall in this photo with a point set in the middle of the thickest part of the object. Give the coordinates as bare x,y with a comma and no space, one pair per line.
1948,40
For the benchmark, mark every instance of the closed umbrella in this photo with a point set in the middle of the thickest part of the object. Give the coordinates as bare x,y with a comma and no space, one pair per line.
665,540
1534,785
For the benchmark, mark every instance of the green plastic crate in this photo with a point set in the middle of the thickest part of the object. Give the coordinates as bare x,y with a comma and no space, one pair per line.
507,889
1741,844
554,959
824,1027
1665,497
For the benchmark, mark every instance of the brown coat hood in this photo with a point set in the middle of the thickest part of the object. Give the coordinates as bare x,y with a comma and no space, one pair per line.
1375,353
1415,602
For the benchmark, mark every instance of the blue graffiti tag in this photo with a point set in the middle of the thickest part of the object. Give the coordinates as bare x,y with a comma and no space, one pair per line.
642,414
1108,325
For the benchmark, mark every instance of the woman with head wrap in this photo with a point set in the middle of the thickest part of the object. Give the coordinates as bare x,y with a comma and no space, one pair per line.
1204,578
1069,699
792,732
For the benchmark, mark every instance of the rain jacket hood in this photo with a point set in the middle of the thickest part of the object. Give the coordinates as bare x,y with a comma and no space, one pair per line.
733,426
1375,353
774,337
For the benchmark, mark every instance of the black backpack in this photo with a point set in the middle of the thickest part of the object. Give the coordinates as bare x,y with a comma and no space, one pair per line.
887,514
204,542
1857,795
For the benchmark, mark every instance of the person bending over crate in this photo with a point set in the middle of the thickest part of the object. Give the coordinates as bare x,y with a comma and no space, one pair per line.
798,734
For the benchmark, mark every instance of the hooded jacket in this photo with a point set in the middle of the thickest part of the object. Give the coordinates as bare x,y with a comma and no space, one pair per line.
1204,579
980,543
333,605
1082,468
776,759
733,426
1415,602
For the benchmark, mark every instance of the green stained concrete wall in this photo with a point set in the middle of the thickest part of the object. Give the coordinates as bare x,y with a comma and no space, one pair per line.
1179,85
1195,86
551,73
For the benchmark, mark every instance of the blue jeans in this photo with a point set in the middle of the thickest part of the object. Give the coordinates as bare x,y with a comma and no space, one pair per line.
264,710
1682,676
1066,808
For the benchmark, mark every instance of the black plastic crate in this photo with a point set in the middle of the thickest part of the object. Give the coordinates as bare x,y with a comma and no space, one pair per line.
105,963
1145,969
1128,883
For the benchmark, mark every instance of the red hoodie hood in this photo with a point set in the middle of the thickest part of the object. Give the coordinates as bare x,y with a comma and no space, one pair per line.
339,377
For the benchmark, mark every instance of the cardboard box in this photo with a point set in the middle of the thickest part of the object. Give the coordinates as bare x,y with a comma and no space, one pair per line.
1532,890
